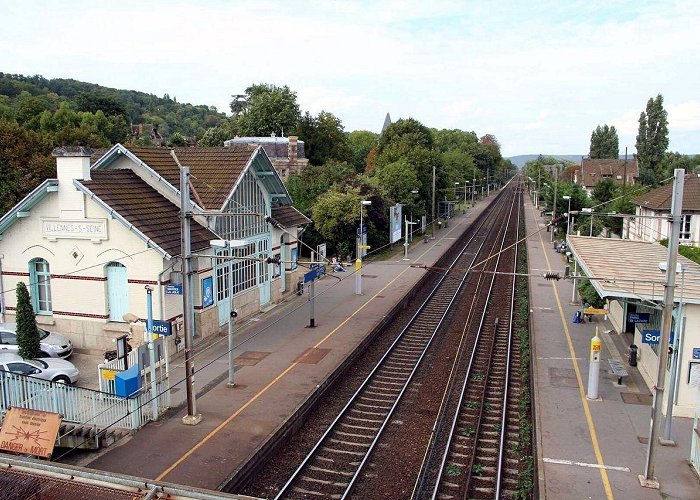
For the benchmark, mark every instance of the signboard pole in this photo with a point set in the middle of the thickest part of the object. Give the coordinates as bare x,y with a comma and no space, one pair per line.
594,366
151,353
231,366
312,320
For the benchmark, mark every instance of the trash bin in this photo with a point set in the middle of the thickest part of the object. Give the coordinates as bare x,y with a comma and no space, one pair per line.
632,355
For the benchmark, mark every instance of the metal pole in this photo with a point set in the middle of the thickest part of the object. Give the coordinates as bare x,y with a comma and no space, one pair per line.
192,418
568,217
405,242
231,365
554,208
591,232
648,480
358,262
312,319
539,177
151,353
473,185
432,224
668,423
573,282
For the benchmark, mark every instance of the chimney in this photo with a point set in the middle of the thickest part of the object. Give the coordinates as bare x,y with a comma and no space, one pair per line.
292,149
72,162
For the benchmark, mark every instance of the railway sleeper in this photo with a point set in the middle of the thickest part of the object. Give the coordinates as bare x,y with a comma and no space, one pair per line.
306,493
361,427
324,482
338,451
330,471
366,412
342,442
363,420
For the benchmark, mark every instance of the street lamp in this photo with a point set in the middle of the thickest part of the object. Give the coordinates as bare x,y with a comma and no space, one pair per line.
232,313
414,192
360,247
568,212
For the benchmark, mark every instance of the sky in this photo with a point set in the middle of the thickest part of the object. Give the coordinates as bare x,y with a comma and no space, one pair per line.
539,75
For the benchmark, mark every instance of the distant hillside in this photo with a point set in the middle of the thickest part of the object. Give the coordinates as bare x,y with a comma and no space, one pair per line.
25,98
521,160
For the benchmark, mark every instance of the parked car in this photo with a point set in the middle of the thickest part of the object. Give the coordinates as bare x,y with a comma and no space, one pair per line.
52,345
52,369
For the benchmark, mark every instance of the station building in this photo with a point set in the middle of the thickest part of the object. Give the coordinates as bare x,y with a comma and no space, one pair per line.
630,276
89,241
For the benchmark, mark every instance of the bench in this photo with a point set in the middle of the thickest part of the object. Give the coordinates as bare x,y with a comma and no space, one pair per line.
618,369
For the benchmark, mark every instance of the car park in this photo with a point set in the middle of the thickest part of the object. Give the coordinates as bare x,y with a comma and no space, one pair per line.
51,369
52,345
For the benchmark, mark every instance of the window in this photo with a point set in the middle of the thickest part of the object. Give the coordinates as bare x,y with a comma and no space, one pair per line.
685,233
40,286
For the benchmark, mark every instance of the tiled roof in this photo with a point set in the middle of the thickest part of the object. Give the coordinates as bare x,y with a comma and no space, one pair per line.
660,198
593,170
146,209
288,216
637,263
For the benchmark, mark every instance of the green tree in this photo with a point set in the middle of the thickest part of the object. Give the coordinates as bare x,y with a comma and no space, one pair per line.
605,190
604,142
652,140
215,136
28,338
313,181
361,142
323,138
674,160
269,109
396,181
335,216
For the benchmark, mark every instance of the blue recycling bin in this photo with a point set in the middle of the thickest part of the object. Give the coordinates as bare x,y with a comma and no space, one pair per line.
128,382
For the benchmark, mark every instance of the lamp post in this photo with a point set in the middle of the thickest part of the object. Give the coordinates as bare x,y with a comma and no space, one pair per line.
554,209
432,222
228,244
414,192
360,248
568,212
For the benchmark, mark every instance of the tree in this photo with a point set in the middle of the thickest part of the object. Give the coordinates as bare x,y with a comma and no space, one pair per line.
28,338
269,109
652,140
215,136
604,143
396,181
605,190
361,142
238,104
323,138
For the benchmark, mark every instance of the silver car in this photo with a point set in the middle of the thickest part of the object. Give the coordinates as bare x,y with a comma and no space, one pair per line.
52,345
51,369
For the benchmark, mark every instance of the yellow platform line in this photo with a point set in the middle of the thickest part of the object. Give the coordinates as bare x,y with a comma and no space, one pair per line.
275,380
582,392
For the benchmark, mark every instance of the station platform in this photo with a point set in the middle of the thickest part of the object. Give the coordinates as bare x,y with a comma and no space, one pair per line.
590,449
280,362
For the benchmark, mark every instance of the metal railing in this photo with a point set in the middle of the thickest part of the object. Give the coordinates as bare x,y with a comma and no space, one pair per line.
77,404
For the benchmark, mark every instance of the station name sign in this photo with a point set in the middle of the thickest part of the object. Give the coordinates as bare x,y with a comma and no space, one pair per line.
81,229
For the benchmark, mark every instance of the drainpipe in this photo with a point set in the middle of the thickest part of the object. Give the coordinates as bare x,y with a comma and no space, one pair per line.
2,294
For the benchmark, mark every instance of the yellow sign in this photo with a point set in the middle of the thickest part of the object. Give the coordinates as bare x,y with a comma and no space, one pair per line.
593,310
358,264
595,346
365,247
32,432
108,374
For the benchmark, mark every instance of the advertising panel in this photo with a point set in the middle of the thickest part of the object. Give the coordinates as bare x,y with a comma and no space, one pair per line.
395,223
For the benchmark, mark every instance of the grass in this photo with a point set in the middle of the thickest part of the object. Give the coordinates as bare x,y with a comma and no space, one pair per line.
477,469
453,470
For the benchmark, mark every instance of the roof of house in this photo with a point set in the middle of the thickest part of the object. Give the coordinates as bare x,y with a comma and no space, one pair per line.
660,198
594,169
633,271
145,208
288,216
275,147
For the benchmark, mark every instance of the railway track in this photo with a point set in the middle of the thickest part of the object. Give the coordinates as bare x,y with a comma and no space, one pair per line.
334,464
478,422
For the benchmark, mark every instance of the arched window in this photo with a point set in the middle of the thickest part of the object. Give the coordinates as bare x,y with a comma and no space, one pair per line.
117,291
40,286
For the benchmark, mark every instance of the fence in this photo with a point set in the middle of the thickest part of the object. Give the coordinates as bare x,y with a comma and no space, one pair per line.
79,405
139,355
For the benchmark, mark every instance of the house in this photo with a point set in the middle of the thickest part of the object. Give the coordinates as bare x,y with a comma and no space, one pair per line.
593,170
634,305
89,241
286,153
657,203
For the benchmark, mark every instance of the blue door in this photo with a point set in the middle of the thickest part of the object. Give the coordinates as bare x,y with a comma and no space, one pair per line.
117,291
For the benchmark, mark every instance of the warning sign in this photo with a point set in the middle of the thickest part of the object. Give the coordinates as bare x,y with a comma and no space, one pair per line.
32,432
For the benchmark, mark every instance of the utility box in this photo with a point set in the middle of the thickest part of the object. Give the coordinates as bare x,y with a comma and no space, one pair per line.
128,382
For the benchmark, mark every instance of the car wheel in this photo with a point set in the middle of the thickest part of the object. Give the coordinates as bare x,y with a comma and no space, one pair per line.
61,379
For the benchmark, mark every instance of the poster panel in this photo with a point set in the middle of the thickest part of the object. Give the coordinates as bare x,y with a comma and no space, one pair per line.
395,223
28,431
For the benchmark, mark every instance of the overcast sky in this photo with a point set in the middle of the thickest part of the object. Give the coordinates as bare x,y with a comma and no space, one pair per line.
538,75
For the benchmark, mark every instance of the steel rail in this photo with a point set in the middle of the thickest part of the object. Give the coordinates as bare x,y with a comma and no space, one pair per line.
504,416
453,426
422,308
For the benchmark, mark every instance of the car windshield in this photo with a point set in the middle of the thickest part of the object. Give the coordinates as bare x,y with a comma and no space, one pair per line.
42,333
37,362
